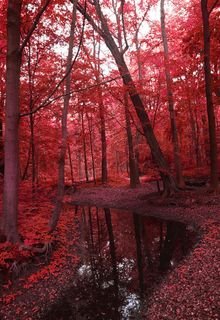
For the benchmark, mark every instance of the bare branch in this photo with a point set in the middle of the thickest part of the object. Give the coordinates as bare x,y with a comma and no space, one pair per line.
82,10
213,6
143,18
123,27
34,25
48,100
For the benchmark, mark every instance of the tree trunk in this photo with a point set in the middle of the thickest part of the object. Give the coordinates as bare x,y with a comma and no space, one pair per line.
84,148
176,149
134,176
195,144
31,119
63,147
24,174
209,101
103,138
11,158
91,146
80,171
102,122
33,165
71,165
169,183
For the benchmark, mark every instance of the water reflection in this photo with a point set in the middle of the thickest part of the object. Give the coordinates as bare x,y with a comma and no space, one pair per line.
122,256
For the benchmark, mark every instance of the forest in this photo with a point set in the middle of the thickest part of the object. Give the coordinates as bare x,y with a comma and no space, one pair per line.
105,106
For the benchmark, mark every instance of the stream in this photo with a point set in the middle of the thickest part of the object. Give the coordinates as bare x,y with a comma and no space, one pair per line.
123,257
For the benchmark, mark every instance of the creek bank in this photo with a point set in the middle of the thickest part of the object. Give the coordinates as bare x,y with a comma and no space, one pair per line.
188,292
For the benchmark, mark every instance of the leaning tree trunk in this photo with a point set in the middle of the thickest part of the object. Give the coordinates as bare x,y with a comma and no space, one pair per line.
11,156
63,147
168,180
209,101
176,149
134,174
169,183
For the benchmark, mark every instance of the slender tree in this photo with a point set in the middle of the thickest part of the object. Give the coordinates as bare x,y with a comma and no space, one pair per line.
63,147
31,117
84,147
103,137
174,132
134,175
209,100
96,68
89,121
101,115
133,167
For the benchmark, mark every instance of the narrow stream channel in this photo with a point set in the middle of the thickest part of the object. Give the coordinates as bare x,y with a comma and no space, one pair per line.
123,256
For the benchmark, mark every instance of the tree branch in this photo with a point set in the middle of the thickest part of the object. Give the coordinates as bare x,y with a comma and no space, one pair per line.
46,104
213,6
123,27
81,9
34,25
143,18
47,101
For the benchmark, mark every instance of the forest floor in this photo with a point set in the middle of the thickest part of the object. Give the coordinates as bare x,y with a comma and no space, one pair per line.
190,291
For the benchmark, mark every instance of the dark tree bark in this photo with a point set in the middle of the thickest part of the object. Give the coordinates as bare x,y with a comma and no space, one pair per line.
11,160
209,100
168,180
176,149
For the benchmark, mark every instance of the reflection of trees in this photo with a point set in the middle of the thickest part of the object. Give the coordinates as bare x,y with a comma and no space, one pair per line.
175,242
146,246
107,280
112,252
137,229
99,275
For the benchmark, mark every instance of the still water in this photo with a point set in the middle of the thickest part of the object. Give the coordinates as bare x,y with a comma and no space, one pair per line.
123,257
